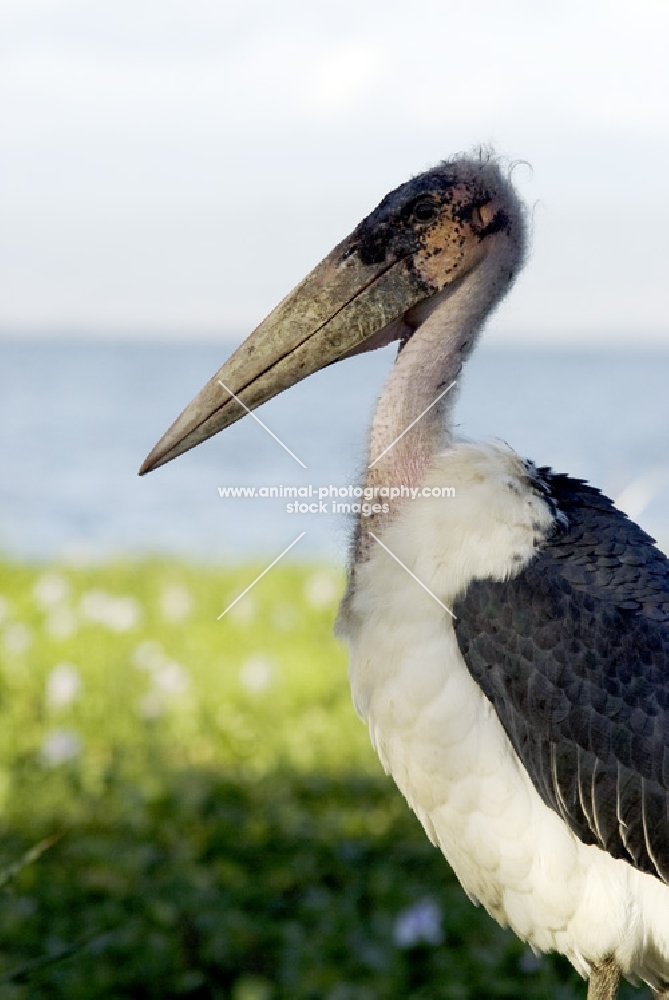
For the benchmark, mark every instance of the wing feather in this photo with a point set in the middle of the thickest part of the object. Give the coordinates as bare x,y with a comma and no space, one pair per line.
573,653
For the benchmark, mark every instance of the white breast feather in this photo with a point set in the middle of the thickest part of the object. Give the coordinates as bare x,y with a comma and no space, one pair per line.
440,738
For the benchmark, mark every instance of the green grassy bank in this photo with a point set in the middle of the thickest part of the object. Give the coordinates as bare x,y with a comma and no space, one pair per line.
203,814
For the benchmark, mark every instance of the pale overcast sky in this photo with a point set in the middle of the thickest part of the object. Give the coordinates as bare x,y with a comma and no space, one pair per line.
175,166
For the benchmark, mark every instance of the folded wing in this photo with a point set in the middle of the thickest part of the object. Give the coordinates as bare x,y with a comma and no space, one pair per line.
574,655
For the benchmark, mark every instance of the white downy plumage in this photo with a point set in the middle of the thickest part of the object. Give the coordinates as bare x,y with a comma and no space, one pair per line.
440,738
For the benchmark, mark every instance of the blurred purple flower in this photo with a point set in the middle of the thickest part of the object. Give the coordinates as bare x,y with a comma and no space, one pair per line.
418,924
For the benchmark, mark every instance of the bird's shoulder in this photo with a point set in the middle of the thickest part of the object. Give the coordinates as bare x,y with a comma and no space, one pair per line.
600,551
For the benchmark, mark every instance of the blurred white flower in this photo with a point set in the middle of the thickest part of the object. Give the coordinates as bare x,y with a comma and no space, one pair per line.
171,679
62,686
61,623
168,674
50,589
59,746
4,608
320,590
256,674
148,655
176,602
418,924
17,638
119,614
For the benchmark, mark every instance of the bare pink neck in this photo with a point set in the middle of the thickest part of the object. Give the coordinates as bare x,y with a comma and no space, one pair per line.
429,363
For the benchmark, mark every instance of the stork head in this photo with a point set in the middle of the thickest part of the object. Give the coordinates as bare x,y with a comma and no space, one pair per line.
421,242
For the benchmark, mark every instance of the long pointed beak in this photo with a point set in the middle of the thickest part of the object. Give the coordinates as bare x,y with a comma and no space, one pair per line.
333,312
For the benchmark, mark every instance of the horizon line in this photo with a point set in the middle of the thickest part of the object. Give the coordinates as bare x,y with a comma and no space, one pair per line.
547,338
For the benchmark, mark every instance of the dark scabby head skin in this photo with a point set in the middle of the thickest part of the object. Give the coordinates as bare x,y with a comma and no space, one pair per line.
435,212
426,235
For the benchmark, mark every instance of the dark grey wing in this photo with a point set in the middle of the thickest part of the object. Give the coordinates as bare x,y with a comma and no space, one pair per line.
574,655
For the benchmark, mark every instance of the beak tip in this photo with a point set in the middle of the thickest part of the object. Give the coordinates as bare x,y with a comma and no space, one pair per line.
148,465
159,455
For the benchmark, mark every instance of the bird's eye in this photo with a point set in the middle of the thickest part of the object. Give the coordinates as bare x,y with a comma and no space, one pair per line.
423,211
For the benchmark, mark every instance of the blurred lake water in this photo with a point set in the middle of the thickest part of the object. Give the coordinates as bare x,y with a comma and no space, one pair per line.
78,417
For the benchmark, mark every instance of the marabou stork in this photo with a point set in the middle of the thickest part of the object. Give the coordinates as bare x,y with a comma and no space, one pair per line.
529,732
